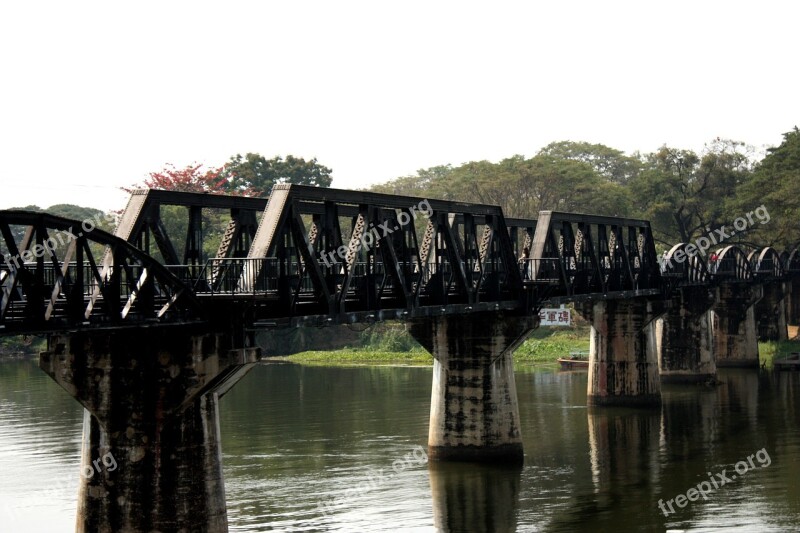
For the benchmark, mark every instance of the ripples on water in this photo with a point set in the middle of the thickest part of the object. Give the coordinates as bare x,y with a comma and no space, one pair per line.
297,438
40,440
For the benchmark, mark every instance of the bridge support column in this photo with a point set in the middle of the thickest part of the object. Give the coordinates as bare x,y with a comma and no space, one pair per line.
735,339
623,363
474,409
771,311
151,433
685,337
792,300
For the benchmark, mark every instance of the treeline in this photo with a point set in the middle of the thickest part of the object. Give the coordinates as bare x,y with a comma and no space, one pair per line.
684,194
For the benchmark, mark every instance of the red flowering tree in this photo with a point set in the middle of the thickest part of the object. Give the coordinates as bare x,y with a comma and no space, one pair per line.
192,178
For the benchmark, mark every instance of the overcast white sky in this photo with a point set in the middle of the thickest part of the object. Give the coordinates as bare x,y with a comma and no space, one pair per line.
95,95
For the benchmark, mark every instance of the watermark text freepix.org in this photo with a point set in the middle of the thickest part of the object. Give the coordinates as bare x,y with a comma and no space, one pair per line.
376,478
717,236
372,235
58,488
58,239
715,481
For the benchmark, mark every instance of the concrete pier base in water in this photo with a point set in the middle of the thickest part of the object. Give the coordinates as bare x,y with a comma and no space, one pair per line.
623,363
151,457
792,299
474,409
685,337
735,325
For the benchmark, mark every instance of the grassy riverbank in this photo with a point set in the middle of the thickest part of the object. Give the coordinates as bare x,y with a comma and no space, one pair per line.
362,356
772,351
543,347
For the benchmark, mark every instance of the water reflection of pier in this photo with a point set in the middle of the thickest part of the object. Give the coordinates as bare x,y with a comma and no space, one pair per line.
623,450
474,497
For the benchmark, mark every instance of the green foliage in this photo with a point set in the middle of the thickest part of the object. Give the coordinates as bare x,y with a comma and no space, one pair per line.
684,194
427,182
523,186
775,184
608,162
75,212
546,345
21,346
350,356
94,218
176,221
251,175
255,175
771,351
388,343
388,337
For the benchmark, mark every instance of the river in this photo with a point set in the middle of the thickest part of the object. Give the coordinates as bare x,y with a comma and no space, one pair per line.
321,448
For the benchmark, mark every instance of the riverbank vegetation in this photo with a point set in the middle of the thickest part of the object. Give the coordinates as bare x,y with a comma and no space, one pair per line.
771,351
544,346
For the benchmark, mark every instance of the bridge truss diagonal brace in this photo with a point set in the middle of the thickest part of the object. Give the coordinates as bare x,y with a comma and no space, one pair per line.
273,218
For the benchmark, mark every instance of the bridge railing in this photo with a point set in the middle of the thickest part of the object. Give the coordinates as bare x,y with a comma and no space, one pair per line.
60,278
543,270
225,275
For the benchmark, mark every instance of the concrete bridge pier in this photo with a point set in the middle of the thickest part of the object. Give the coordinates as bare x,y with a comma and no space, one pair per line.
735,325
685,337
474,409
771,311
151,457
623,363
792,300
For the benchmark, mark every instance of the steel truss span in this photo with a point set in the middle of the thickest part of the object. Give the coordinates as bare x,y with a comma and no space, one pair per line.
62,275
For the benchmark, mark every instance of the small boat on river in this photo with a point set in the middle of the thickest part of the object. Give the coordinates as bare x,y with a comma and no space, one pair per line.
576,360
791,362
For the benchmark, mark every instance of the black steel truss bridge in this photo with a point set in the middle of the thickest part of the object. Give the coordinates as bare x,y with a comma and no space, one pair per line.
313,256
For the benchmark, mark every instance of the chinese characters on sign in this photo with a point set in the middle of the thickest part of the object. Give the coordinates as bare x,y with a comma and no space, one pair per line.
555,317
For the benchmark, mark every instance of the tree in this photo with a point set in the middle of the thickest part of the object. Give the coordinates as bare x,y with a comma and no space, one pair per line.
191,178
685,195
253,174
546,182
521,186
609,162
427,182
775,184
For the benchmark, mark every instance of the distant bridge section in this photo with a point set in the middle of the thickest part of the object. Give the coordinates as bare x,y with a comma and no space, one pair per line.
575,257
